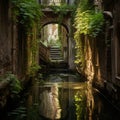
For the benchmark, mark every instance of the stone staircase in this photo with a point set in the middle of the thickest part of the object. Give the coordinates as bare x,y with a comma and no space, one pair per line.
56,54
57,62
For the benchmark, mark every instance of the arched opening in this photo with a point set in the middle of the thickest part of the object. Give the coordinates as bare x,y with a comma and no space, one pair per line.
55,37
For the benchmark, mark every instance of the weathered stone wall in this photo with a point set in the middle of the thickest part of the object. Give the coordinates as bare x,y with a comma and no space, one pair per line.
103,53
95,60
116,50
6,50
8,39
5,37
100,61
110,55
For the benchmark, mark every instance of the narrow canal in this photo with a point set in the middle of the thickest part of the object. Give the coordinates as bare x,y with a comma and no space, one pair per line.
63,96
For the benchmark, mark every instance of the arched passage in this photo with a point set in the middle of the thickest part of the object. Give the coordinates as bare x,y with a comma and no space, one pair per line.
51,18
55,36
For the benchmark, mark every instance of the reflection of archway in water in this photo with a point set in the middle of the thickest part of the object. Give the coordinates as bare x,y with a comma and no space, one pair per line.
49,106
55,35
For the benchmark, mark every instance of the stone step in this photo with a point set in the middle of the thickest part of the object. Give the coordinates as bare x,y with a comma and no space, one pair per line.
55,56
55,53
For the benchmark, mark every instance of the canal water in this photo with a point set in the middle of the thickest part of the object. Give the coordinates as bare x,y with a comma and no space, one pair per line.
63,96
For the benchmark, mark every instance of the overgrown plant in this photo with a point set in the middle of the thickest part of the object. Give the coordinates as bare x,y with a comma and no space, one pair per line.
26,12
14,84
88,23
33,69
80,49
80,104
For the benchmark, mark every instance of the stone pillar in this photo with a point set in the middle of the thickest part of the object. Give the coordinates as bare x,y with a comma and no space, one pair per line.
71,47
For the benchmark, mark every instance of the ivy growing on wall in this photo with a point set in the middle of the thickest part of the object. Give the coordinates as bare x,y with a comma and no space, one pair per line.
80,105
26,12
87,22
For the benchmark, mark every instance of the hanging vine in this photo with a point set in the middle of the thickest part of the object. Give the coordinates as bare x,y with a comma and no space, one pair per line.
89,23
27,14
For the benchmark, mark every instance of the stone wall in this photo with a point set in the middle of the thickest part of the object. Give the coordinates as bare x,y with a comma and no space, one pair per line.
111,55
103,53
116,50
5,37
95,60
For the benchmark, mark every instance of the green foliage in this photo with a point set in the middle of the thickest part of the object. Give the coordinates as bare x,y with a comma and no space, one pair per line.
34,47
85,5
15,85
80,103
33,69
96,23
88,23
80,49
26,12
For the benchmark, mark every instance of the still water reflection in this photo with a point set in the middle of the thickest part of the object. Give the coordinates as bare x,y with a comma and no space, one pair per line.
49,103
67,97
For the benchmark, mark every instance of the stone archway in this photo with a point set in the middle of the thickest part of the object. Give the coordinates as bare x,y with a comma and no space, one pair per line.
56,38
51,17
